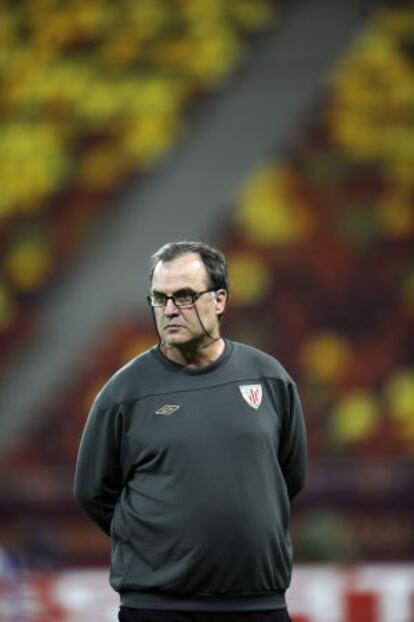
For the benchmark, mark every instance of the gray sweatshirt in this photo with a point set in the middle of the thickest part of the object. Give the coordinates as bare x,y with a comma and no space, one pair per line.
191,473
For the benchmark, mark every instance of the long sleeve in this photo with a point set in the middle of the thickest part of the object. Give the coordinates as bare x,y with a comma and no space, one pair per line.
98,475
293,446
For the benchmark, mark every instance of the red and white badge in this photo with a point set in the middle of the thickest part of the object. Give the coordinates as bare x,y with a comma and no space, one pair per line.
252,393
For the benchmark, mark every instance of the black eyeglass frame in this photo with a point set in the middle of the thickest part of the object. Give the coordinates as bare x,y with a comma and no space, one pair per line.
194,297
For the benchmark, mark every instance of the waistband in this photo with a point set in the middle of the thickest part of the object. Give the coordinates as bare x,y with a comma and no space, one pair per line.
259,601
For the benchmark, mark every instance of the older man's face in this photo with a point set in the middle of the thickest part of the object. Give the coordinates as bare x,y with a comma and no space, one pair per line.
181,326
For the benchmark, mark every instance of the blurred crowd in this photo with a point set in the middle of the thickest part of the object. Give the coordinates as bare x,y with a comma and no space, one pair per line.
319,244
92,95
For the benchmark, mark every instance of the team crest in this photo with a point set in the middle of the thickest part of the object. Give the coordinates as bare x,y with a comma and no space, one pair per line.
252,393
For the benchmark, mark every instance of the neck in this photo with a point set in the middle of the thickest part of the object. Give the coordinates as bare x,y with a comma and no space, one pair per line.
194,355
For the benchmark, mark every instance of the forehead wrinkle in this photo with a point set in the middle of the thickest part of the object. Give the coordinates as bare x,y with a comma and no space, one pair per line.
187,271
177,291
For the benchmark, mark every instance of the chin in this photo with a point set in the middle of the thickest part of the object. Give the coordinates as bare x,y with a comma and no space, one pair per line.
175,340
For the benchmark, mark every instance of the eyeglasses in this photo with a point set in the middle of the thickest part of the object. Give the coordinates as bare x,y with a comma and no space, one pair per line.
181,298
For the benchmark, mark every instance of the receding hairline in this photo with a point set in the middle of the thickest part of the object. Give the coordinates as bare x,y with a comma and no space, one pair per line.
212,258
197,257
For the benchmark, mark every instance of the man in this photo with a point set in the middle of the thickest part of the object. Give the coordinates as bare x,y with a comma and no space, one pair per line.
190,457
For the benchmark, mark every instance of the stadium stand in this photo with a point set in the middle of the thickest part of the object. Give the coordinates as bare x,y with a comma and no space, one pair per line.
93,96
340,318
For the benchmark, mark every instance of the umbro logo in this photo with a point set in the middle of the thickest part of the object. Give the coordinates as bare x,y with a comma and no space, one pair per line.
167,409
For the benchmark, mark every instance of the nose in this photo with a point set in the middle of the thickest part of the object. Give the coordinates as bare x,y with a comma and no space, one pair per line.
170,308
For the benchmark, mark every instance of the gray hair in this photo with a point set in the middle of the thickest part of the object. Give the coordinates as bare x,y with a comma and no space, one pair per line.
213,260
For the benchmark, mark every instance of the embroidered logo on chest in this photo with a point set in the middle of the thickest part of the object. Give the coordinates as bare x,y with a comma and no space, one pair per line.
252,393
167,409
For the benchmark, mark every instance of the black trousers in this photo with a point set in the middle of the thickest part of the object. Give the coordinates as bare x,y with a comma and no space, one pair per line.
127,614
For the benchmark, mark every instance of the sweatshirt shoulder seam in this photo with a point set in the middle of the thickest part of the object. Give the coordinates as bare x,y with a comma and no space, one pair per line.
193,390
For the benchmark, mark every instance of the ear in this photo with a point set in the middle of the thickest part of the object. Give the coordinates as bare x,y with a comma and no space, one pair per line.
221,301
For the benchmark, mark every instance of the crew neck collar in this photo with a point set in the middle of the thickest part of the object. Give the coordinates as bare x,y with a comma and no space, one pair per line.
193,371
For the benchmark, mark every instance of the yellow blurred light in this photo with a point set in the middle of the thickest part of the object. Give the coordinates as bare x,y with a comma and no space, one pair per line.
355,417
325,357
249,278
28,264
148,139
32,163
147,17
399,392
395,213
400,173
398,23
265,211
57,83
373,97
101,103
119,50
57,25
252,15
214,56
195,13
102,167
